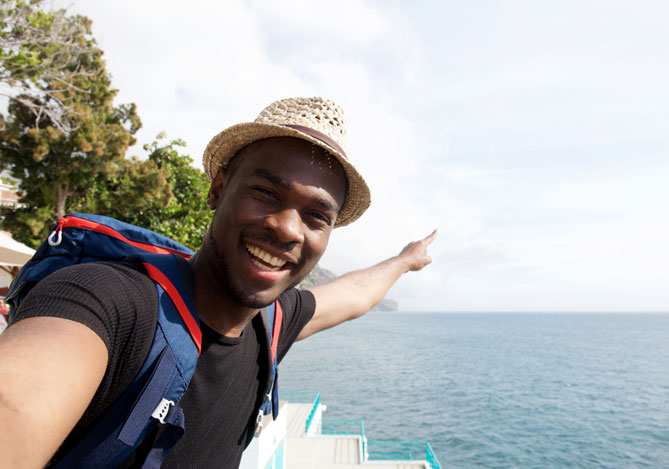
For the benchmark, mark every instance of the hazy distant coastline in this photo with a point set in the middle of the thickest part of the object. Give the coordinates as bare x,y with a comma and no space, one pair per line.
319,276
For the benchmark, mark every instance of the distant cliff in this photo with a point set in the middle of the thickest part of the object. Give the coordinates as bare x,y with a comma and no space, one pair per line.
319,276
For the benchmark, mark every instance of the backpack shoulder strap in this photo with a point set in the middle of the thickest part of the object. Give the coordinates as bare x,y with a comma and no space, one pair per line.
275,319
272,319
276,331
163,268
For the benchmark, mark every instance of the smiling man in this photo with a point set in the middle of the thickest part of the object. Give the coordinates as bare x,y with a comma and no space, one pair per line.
279,186
274,209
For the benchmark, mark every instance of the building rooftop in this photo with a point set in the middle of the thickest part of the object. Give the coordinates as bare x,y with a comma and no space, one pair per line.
301,438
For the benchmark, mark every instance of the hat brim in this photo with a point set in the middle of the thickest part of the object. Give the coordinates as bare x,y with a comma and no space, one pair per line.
229,142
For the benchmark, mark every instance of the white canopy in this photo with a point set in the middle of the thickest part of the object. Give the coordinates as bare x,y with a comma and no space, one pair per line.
13,253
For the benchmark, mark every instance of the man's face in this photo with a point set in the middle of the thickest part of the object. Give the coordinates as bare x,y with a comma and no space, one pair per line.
275,209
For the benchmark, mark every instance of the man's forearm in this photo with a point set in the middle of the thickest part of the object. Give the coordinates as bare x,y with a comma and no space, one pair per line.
369,286
50,370
355,293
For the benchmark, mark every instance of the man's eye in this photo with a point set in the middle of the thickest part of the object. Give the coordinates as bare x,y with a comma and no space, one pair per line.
320,217
264,191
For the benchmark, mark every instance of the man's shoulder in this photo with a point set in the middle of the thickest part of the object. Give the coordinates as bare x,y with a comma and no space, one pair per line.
294,300
90,293
298,308
101,274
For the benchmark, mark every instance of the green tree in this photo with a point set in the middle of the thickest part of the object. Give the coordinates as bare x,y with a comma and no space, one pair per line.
43,57
163,193
186,216
65,142
58,154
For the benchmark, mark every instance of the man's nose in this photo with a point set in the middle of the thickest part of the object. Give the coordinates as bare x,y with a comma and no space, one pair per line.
286,225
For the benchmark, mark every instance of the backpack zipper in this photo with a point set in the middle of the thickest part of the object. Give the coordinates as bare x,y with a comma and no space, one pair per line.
56,236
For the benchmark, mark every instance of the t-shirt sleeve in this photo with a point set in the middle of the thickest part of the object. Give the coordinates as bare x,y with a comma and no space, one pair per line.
298,308
116,301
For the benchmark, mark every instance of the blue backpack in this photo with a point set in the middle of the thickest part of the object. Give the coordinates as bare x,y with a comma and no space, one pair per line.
154,394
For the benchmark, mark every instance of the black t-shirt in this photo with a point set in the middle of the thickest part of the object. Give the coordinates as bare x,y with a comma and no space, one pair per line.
119,302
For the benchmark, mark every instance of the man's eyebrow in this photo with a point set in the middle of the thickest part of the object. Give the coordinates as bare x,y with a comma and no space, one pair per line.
327,205
279,181
271,177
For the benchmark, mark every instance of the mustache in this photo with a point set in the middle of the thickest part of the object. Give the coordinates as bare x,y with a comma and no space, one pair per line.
270,241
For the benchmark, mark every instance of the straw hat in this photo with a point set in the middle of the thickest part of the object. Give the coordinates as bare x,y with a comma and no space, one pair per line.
316,120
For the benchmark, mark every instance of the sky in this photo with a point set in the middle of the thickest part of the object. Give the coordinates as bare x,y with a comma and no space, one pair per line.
532,134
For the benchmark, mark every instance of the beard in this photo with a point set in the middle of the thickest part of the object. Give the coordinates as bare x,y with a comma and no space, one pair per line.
230,284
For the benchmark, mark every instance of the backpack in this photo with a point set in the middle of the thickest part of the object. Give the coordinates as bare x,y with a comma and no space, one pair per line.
164,376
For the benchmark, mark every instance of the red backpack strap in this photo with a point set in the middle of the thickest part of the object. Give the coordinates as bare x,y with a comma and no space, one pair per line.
186,315
276,330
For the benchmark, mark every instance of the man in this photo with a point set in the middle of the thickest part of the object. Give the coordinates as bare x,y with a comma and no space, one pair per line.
279,186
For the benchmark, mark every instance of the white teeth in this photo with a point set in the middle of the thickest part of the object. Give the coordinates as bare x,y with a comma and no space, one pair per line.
262,266
266,257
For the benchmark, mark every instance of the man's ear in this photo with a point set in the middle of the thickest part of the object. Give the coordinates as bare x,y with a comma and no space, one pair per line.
216,189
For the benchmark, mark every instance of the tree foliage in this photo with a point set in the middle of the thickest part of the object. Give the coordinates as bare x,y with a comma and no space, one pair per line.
186,216
65,141
62,131
163,193
55,169
46,60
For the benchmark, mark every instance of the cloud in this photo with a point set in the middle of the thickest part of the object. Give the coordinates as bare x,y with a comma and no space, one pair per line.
531,134
345,21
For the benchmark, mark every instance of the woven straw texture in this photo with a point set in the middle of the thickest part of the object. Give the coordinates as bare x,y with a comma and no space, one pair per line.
316,114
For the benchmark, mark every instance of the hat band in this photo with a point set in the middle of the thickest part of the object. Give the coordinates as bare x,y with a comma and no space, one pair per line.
318,136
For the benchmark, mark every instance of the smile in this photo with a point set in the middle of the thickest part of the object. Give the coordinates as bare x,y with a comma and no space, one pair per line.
264,260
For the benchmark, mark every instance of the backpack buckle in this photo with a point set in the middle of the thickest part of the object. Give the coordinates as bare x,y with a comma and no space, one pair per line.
259,423
56,236
162,410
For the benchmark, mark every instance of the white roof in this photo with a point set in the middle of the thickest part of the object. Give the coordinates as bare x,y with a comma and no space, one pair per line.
13,253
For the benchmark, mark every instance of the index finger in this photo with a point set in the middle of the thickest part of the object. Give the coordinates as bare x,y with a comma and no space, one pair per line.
429,238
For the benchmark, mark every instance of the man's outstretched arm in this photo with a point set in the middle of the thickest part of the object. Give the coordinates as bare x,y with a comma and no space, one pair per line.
355,293
50,369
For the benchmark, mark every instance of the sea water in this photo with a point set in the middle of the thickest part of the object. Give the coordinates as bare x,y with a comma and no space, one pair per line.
499,390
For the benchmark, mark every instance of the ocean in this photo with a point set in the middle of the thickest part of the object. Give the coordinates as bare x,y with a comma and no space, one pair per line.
499,390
